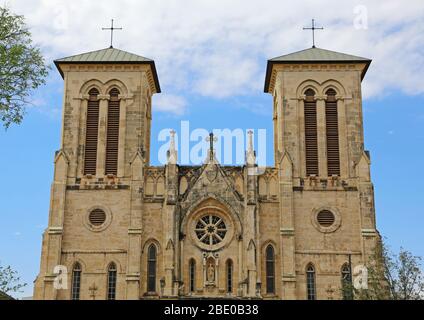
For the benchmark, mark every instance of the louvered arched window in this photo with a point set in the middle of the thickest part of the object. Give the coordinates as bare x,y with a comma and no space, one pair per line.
91,132
270,269
229,275
310,282
311,137
111,282
192,275
112,136
76,282
151,268
332,129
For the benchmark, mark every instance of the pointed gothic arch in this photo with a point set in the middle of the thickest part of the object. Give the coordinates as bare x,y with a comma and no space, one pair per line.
112,273
310,282
76,281
151,268
270,269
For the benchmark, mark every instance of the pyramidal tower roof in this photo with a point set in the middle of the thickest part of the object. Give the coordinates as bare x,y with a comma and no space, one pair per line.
108,56
314,55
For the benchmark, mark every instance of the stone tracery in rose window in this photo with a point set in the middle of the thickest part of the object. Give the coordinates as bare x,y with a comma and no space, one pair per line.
211,229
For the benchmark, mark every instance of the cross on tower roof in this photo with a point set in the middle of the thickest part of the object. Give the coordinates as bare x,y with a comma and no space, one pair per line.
313,28
112,28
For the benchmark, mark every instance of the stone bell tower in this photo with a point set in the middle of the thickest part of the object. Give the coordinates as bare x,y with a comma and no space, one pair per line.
95,195
326,195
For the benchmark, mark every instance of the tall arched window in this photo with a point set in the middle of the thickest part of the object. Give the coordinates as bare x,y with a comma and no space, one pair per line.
76,282
111,282
91,133
311,136
192,275
346,282
332,129
151,268
310,282
270,269
112,136
229,275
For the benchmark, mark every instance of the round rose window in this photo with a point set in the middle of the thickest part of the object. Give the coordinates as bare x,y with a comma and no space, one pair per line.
211,229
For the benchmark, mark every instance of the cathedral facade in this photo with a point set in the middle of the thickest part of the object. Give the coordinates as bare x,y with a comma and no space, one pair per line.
120,228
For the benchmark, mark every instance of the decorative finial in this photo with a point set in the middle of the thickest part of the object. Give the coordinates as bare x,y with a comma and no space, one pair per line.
112,28
250,147
211,139
313,28
172,152
250,153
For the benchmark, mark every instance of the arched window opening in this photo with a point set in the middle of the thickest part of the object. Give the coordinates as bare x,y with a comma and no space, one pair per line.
270,269
332,129
346,282
310,282
311,136
151,268
111,282
91,133
192,275
229,275
76,282
112,135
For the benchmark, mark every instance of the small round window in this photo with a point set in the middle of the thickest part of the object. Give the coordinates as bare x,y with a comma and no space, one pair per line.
97,217
210,229
325,218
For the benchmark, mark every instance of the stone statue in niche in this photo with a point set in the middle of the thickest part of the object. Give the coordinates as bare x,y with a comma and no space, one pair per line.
210,271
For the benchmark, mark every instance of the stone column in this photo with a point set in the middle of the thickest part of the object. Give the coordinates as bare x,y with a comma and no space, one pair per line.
133,277
122,134
170,223
343,154
52,238
322,137
101,142
250,236
287,229
369,234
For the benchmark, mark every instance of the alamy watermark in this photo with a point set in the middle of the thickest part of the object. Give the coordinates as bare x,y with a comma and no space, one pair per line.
360,21
230,146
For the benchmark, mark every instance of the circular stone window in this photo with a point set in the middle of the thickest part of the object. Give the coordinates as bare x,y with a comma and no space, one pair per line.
97,217
210,229
325,218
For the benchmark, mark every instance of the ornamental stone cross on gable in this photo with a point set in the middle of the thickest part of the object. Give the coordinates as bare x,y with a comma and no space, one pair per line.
211,139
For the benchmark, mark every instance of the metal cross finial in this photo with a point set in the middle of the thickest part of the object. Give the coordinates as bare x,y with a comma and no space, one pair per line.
211,139
313,28
112,28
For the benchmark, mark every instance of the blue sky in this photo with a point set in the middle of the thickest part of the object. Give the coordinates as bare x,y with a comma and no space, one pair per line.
211,61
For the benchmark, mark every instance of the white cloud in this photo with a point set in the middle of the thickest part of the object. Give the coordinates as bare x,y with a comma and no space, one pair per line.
219,48
169,103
